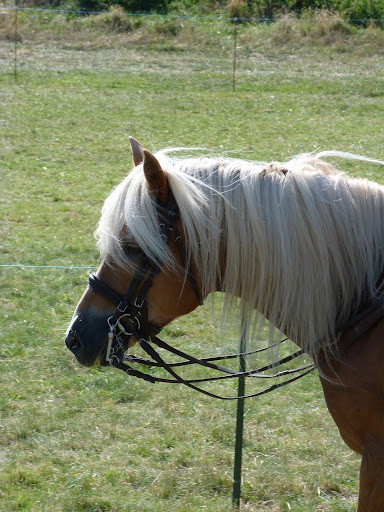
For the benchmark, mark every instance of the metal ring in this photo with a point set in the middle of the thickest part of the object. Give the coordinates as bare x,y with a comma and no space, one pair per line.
138,323
121,326
124,331
114,356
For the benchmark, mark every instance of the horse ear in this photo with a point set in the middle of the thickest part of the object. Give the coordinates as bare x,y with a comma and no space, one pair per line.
156,177
137,151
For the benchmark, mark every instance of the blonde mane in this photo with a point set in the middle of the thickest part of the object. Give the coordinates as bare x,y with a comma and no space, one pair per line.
303,243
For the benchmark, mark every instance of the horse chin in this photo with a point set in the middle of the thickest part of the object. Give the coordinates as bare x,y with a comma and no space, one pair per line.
102,359
92,359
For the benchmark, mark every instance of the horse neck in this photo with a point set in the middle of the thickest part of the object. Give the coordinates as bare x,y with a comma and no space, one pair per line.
266,230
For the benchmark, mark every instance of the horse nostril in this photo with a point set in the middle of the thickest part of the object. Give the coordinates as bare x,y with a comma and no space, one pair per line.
72,340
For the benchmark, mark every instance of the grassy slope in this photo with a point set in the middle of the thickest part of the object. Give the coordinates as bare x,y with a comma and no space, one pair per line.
78,440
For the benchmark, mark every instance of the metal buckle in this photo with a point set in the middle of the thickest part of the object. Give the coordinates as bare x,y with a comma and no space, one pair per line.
122,310
138,305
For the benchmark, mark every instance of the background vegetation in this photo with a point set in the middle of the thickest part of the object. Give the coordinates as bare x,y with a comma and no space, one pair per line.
80,440
350,9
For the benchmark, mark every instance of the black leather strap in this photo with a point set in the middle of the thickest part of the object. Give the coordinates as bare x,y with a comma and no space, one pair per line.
104,290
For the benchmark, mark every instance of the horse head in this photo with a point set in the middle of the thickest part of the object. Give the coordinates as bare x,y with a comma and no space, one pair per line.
137,295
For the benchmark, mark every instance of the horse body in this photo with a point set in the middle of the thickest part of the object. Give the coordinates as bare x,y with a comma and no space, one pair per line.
353,388
299,243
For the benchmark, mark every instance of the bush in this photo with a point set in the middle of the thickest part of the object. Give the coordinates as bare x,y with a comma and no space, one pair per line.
270,9
168,26
352,9
320,27
361,9
129,6
117,20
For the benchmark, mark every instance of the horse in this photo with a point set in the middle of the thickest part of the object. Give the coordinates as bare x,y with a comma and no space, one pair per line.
298,243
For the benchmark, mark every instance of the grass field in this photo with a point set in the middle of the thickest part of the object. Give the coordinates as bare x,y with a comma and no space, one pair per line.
80,440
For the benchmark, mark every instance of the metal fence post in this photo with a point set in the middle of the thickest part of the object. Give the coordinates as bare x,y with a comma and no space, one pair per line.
16,36
236,493
234,55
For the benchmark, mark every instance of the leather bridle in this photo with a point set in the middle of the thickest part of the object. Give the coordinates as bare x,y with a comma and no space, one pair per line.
131,315
131,320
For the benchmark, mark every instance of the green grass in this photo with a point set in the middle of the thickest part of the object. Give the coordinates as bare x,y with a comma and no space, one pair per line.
74,439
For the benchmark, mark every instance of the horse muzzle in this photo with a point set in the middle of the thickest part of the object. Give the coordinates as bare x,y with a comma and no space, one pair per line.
86,338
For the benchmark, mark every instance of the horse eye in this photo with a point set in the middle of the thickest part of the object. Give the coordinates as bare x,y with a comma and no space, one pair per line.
130,248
